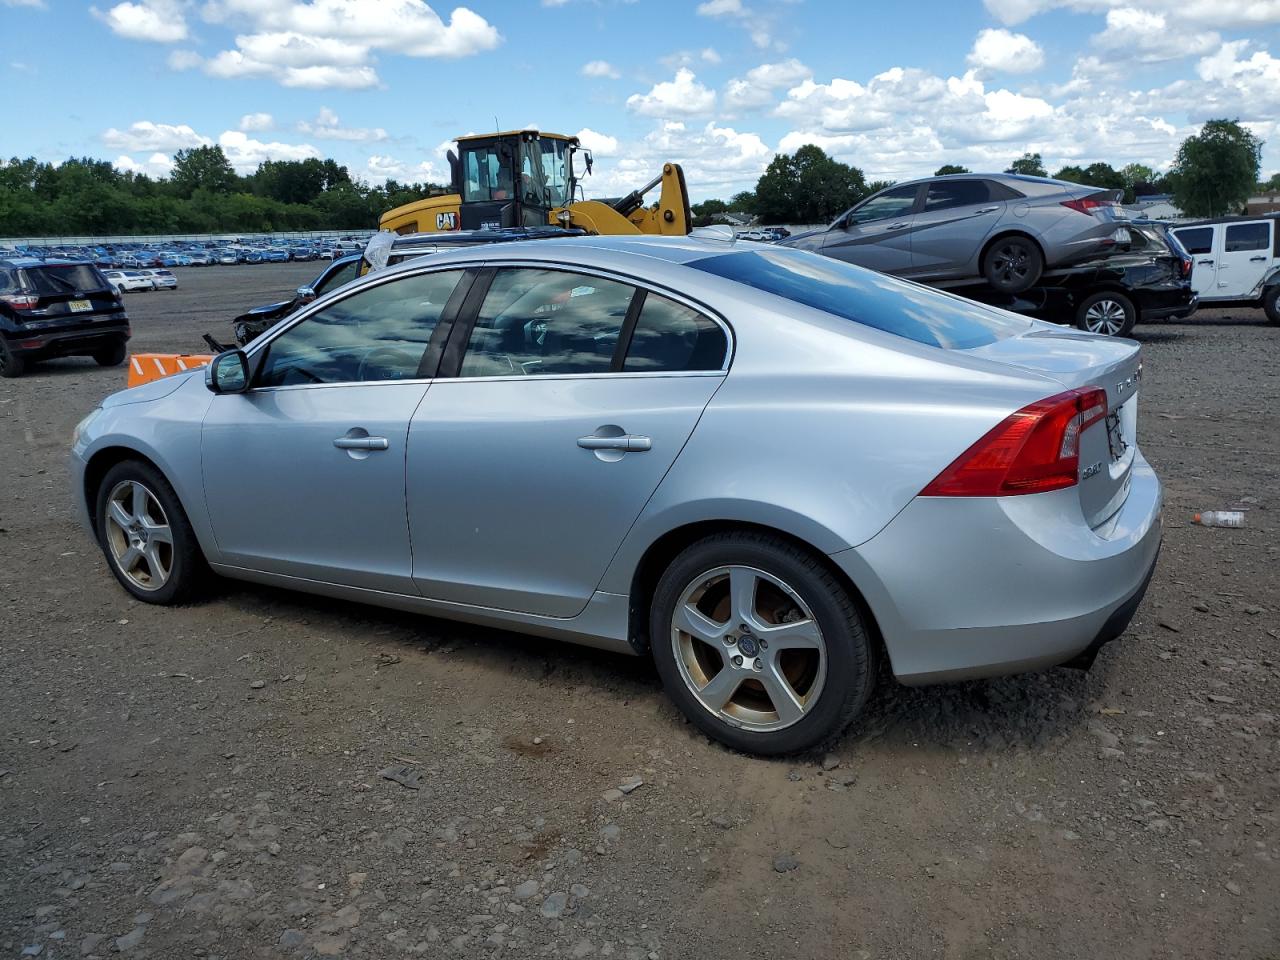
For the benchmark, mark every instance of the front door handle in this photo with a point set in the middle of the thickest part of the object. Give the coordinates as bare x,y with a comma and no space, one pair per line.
361,443
1256,259
896,226
1206,263
629,443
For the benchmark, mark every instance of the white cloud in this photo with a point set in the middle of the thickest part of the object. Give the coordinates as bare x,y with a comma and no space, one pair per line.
162,21
1222,14
380,168
34,4
758,26
682,97
145,135
332,43
720,8
1006,52
600,68
709,55
600,144
245,153
1149,37
326,126
257,121
156,165
758,88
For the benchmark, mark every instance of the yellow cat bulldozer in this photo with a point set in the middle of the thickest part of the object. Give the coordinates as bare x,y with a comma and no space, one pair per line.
527,178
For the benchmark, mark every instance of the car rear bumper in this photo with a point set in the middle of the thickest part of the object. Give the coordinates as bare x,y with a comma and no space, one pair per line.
81,338
1183,305
977,587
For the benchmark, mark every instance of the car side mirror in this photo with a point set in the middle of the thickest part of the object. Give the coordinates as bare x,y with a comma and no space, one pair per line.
306,294
228,372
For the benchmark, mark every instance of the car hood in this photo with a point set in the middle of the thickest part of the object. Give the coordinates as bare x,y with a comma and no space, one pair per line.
807,240
146,392
266,309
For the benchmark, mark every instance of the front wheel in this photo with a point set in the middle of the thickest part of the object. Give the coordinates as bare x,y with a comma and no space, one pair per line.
1111,314
759,645
1013,264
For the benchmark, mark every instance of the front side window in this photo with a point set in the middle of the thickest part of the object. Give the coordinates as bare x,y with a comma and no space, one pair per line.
379,333
1243,237
670,337
546,322
891,203
555,167
344,274
1196,239
946,194
485,176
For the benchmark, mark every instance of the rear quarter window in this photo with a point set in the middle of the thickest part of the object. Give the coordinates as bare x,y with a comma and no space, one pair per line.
871,299
9,280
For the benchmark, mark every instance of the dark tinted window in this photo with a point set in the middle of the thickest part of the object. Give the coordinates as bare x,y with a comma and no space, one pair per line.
1148,240
1242,237
337,278
905,309
9,281
65,278
545,322
380,333
670,336
1001,191
1196,239
946,194
892,203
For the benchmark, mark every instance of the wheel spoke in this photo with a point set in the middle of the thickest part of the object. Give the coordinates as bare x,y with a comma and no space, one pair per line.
781,693
801,635
139,501
119,515
717,691
158,573
129,559
742,595
689,619
158,532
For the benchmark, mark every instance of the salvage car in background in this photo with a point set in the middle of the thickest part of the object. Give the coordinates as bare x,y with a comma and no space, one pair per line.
601,409
1237,261
1003,228
126,281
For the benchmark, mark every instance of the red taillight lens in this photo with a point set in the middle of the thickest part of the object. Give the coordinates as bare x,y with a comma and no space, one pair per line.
1032,451
1186,268
20,301
1087,205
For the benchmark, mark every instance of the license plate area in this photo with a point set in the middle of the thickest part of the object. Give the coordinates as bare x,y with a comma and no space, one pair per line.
80,306
1115,436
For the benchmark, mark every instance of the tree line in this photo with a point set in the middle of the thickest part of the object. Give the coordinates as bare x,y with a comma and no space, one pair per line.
1214,173
203,194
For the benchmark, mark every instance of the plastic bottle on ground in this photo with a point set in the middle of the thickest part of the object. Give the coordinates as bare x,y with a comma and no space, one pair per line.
1219,518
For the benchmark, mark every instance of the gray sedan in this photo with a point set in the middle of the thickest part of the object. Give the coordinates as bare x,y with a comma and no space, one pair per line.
1004,228
763,468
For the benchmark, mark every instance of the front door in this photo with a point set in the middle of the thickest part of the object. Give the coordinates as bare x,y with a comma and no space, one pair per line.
305,473
876,234
574,397
1199,243
1245,257
949,230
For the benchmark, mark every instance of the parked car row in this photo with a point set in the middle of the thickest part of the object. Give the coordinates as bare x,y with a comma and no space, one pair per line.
192,253
126,281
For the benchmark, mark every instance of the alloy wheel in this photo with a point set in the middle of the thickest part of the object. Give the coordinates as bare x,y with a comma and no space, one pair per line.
1105,316
1010,262
749,648
139,536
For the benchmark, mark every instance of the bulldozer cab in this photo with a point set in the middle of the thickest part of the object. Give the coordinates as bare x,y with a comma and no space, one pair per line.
512,179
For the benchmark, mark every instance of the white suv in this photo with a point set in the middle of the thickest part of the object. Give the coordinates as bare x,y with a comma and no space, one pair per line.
1237,261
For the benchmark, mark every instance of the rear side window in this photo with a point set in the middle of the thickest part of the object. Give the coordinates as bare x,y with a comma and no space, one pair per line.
53,278
1196,239
1243,237
946,194
670,337
9,280
874,300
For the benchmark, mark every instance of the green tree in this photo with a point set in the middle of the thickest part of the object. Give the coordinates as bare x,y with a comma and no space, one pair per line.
1270,186
203,168
1215,170
743,201
704,211
1029,165
807,187
949,168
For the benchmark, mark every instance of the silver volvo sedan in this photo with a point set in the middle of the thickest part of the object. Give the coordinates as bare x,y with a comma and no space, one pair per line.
763,468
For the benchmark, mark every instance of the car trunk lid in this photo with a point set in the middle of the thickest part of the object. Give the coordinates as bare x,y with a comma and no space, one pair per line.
1074,359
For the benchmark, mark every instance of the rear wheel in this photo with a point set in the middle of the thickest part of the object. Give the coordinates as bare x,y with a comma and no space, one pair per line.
111,356
1013,264
1111,314
11,365
759,645
1271,304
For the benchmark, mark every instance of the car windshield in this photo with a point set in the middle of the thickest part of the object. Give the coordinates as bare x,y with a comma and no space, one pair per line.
64,278
904,309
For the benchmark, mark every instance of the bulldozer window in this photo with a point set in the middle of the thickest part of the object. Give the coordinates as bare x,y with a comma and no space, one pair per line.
555,170
485,176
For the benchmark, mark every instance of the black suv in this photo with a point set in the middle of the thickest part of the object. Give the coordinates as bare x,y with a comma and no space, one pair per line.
58,308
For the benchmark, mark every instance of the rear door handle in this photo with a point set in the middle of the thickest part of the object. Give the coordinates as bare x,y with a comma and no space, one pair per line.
986,210
1256,259
361,443
628,442
896,226
1207,263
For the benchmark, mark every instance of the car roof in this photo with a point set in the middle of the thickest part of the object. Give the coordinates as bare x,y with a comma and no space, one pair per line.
23,263
1235,218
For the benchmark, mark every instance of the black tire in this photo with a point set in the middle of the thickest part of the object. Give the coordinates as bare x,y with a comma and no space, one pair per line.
850,654
1111,314
1013,264
188,573
12,366
111,356
1271,304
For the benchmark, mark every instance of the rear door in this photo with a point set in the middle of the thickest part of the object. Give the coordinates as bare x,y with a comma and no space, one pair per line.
1245,257
876,234
955,220
1199,242
573,395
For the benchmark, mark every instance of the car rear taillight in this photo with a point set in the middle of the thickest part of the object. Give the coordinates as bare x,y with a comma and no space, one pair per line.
20,301
1032,451
1088,204
1186,268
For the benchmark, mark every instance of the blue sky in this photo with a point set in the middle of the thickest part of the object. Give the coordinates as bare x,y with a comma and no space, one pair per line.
720,86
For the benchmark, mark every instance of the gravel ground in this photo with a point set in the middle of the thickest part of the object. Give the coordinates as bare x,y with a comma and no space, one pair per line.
270,774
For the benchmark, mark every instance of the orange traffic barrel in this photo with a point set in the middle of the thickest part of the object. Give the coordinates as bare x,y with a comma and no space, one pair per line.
145,367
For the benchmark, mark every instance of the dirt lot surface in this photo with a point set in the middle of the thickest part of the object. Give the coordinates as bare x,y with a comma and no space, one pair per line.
205,782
